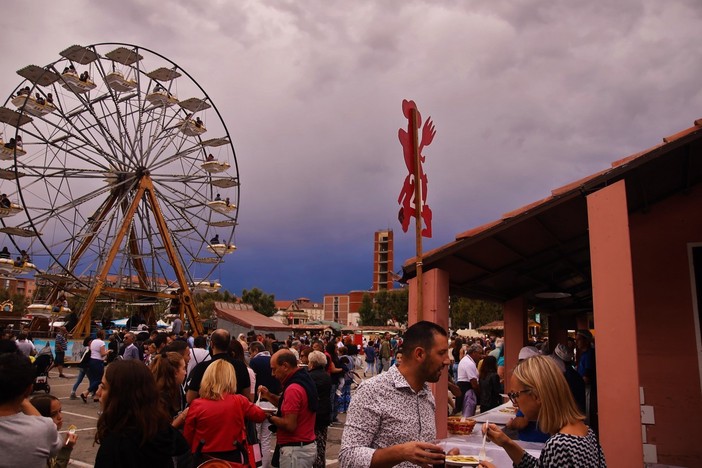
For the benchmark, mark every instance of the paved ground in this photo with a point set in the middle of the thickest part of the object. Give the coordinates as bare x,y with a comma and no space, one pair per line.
84,417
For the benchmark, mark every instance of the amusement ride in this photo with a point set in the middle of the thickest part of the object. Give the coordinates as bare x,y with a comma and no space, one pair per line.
111,158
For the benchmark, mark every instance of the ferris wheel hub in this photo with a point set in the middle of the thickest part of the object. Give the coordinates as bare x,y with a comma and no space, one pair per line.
142,172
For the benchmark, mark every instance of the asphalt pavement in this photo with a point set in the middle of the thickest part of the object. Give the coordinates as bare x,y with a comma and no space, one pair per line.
85,415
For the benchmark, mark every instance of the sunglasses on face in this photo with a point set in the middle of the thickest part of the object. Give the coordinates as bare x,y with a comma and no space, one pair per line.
514,395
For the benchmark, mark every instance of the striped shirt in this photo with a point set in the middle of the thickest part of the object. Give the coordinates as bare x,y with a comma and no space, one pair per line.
61,343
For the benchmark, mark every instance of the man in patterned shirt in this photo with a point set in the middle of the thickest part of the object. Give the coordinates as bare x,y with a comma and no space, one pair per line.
391,420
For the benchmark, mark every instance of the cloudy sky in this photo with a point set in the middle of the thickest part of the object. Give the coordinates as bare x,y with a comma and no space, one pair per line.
526,96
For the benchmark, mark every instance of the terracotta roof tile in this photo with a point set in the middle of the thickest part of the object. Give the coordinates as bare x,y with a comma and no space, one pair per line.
525,208
245,316
681,134
573,185
477,230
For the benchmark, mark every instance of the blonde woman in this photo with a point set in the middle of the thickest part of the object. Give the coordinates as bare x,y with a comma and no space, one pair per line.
541,392
218,416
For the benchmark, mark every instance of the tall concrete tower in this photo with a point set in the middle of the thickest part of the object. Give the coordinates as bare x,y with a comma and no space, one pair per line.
383,266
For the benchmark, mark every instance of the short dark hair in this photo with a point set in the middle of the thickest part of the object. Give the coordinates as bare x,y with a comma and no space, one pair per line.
160,340
16,375
176,346
256,346
421,334
8,346
200,342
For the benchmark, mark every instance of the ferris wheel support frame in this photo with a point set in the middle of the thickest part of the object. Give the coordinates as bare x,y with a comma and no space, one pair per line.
145,188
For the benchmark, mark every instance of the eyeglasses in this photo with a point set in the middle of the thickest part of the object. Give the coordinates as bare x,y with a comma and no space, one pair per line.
514,395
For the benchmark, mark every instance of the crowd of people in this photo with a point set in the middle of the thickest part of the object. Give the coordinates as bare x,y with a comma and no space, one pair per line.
477,368
254,401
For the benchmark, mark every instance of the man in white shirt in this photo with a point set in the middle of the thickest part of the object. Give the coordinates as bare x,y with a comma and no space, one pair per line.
198,353
468,379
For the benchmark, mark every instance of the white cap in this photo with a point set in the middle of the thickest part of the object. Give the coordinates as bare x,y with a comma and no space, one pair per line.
527,352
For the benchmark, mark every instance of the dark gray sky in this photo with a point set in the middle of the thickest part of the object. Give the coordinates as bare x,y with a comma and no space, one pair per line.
526,96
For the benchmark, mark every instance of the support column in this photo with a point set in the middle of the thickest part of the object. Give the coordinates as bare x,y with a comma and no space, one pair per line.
436,308
615,324
516,320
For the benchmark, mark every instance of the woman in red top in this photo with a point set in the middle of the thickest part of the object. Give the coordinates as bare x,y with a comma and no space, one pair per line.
217,417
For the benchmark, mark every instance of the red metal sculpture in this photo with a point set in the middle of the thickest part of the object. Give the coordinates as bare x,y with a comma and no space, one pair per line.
409,204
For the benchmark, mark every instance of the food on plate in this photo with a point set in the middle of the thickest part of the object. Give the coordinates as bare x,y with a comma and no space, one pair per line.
457,426
509,410
462,459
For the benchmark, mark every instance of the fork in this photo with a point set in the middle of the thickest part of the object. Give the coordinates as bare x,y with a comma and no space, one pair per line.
482,455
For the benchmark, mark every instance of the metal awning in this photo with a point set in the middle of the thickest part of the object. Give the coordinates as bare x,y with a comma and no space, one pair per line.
79,54
124,56
17,231
225,183
194,104
215,142
222,223
14,118
163,74
10,175
208,260
38,75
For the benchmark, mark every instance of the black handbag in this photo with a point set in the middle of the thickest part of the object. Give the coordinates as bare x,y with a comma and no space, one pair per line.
85,359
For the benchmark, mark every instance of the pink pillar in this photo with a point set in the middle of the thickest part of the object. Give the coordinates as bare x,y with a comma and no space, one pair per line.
516,320
435,304
615,324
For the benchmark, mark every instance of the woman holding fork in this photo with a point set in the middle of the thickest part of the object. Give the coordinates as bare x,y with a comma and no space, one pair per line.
541,392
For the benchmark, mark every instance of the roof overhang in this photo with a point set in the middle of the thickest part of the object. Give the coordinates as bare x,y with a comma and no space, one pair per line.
544,246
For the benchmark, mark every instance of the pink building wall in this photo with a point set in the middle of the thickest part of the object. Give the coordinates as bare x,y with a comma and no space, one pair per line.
667,343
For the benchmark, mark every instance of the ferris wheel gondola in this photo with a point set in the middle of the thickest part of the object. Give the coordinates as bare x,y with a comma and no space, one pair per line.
110,182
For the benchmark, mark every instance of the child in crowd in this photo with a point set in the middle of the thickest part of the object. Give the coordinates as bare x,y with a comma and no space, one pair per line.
50,407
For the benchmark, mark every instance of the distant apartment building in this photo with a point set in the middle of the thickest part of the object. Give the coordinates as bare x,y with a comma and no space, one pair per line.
343,308
24,286
383,261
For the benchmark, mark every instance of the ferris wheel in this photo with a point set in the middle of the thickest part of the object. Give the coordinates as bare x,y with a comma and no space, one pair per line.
120,177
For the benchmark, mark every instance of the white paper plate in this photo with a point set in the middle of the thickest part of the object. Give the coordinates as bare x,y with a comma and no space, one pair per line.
267,406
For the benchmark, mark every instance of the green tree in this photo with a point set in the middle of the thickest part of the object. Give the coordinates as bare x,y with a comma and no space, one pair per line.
205,302
262,303
366,314
19,302
383,307
464,311
398,305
